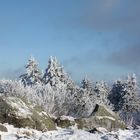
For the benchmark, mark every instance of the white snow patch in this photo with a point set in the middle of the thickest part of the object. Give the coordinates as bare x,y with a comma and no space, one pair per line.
20,107
67,134
105,117
67,118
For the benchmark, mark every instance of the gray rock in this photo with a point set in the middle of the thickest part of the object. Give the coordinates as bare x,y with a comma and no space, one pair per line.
3,128
101,117
14,111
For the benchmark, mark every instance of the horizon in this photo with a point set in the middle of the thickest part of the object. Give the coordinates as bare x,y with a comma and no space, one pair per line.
94,38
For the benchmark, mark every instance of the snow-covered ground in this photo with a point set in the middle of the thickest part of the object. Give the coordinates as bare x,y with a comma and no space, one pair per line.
67,134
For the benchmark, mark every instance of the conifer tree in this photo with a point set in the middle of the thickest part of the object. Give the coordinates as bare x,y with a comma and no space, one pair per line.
86,84
124,97
61,85
84,100
55,74
102,91
32,75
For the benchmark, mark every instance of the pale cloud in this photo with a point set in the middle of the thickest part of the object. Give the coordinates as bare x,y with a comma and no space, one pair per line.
128,57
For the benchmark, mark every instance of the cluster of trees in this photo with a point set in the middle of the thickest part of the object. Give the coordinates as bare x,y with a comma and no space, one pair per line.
125,97
58,95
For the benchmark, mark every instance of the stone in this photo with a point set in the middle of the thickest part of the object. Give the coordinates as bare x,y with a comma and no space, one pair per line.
17,112
101,117
3,128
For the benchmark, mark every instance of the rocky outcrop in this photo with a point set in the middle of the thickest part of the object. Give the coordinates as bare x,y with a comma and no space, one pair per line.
101,117
65,121
3,128
17,112
14,111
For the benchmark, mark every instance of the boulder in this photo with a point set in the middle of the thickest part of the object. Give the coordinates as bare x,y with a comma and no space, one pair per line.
15,111
3,128
65,121
101,117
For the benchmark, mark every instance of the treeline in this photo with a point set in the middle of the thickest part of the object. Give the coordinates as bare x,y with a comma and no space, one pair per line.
58,95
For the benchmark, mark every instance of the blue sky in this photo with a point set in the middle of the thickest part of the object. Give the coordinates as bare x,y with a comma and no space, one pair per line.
94,38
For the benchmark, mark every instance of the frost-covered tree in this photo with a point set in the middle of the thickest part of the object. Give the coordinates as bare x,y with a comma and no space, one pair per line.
16,88
53,102
32,75
102,91
131,98
87,87
55,75
10,87
88,96
86,84
116,95
124,97
61,85
84,101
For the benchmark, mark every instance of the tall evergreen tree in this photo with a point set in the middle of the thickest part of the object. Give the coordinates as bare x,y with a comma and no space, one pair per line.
55,74
61,85
86,84
102,92
125,97
116,95
32,75
131,97
85,99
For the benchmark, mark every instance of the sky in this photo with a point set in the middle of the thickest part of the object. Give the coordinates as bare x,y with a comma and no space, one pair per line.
98,39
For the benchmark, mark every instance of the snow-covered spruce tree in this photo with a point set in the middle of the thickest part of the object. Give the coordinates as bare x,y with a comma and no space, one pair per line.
125,98
131,99
116,95
55,74
86,84
32,75
102,92
57,77
88,96
84,99
61,85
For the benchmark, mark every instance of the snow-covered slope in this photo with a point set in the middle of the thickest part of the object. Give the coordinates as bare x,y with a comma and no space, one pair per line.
67,134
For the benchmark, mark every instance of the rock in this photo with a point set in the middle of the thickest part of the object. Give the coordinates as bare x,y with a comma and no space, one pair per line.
101,117
20,114
64,122
94,130
3,128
